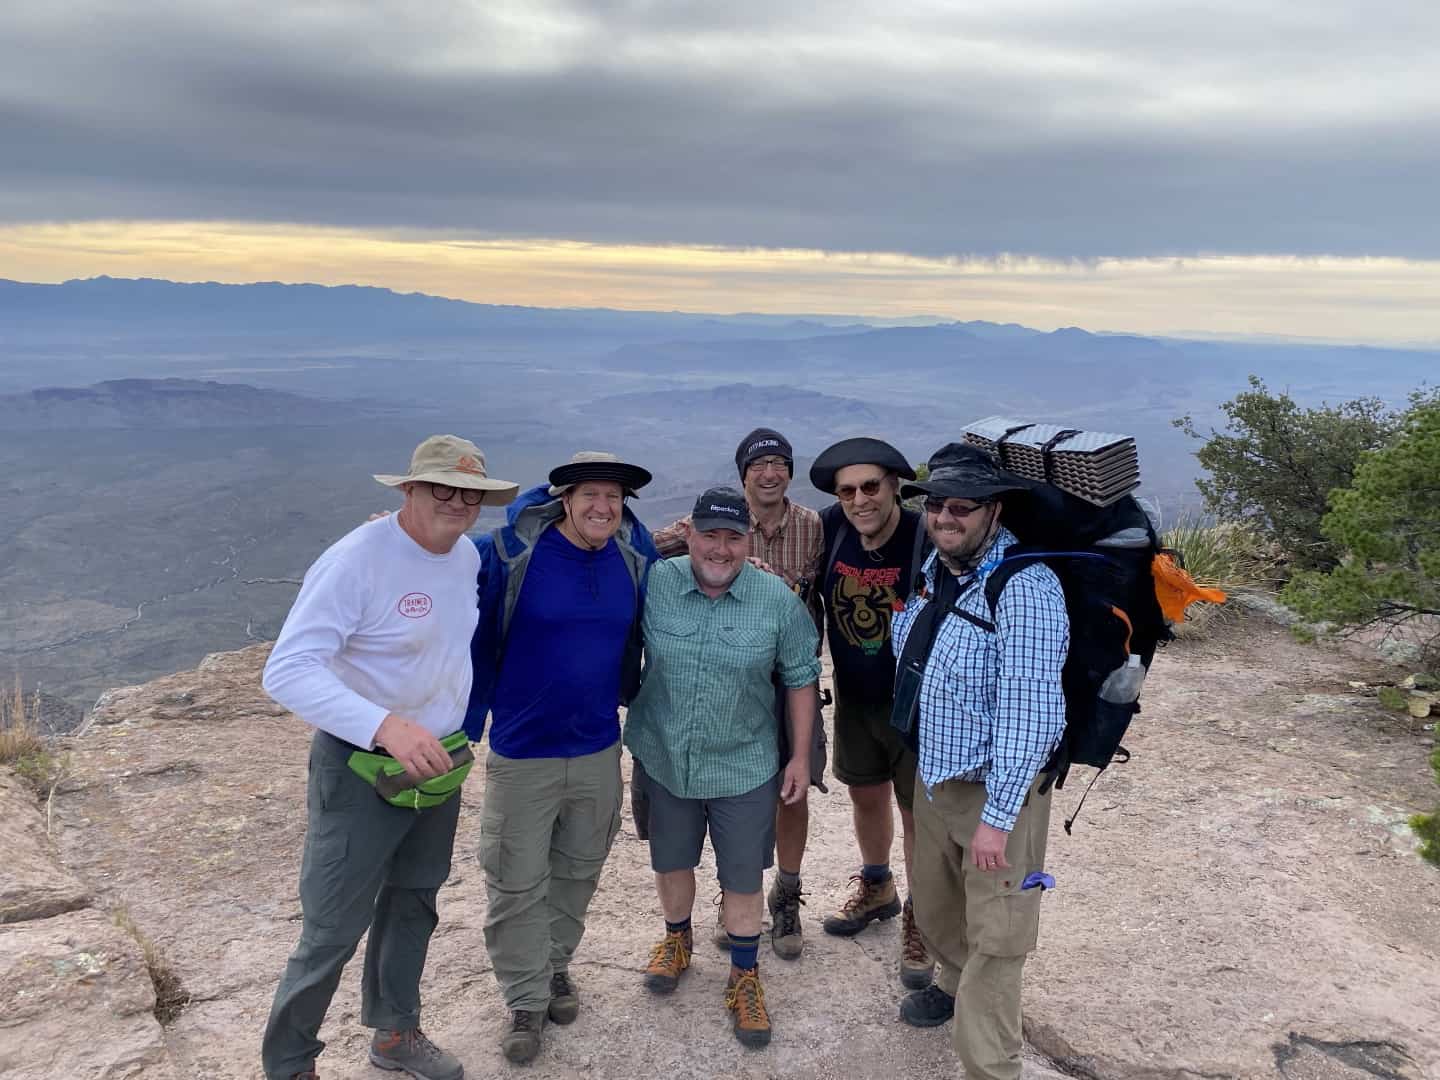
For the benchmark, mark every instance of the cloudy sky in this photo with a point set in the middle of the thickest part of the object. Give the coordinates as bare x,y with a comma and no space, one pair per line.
1120,164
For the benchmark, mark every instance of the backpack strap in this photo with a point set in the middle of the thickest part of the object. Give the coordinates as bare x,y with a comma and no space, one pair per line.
917,559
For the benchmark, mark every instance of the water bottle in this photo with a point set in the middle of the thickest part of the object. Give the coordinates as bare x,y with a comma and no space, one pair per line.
1122,685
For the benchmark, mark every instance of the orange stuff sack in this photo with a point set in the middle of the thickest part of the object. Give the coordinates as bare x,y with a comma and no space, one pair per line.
1176,590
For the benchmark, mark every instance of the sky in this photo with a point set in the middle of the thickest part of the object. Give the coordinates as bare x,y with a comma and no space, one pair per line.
1145,165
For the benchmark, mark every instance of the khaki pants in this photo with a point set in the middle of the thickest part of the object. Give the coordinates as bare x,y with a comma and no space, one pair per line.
547,828
979,925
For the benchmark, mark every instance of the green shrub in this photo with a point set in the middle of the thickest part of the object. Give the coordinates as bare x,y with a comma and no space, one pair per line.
1427,826
1275,465
1386,524
1393,698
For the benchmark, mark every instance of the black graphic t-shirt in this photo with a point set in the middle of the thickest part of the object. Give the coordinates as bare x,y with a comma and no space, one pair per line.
862,589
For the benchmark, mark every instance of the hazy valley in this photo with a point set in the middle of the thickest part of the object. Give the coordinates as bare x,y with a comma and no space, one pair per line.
150,522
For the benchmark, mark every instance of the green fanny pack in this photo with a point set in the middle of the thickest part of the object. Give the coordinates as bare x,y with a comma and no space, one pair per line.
388,777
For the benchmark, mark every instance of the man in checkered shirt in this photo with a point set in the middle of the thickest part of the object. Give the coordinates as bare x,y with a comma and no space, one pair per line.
991,712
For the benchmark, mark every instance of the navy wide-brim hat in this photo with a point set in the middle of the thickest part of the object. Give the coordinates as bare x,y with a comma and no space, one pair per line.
965,471
860,451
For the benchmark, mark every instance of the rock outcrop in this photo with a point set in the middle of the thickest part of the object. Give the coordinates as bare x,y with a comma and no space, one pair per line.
1241,900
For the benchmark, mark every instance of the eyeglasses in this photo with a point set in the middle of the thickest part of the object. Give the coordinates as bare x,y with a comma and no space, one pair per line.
772,464
468,496
937,504
870,488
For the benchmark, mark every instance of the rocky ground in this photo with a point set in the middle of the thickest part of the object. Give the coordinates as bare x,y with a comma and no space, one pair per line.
1241,900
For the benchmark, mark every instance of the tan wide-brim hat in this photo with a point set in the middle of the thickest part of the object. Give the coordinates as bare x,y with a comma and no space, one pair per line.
598,465
449,459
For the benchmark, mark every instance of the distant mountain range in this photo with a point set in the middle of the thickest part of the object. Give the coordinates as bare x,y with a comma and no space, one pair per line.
165,403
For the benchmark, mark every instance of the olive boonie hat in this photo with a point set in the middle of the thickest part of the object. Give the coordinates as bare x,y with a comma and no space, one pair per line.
860,451
597,465
449,459
965,471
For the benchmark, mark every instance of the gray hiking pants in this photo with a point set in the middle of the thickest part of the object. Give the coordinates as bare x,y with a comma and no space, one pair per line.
548,826
367,864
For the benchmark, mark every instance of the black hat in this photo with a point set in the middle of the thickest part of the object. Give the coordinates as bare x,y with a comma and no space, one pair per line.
965,471
762,442
721,508
861,451
597,465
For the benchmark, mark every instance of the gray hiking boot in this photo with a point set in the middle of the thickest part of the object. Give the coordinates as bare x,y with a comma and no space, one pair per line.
412,1052
917,969
564,999
785,936
522,1042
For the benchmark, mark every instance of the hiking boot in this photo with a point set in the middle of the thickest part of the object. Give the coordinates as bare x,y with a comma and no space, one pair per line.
668,961
917,969
308,1074
564,999
722,936
746,999
522,1042
871,900
785,937
411,1052
930,1007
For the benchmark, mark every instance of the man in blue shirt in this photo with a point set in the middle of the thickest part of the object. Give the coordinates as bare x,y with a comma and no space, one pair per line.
991,711
556,651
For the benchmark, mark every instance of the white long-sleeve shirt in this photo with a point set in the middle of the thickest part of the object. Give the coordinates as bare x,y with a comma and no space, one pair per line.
381,625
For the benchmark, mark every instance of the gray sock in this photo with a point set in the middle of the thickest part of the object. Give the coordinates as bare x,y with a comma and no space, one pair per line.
789,880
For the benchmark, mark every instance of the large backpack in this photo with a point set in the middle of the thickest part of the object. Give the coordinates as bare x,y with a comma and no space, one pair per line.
1102,556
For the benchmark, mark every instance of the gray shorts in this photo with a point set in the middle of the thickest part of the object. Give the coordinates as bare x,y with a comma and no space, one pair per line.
741,827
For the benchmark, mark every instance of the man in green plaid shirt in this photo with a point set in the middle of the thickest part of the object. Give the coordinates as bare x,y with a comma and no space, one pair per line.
704,737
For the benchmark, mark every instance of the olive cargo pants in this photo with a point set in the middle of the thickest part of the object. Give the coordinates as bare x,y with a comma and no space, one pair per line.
547,829
367,865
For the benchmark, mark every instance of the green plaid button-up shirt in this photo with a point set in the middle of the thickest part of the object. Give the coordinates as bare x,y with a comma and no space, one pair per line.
703,724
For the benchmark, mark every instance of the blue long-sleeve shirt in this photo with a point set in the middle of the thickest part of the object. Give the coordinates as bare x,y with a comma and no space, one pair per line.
557,688
992,708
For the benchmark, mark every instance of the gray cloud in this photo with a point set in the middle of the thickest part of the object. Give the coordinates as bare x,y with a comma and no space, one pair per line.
1074,129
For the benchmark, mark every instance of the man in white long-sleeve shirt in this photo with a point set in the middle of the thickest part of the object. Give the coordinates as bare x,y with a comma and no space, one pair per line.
375,655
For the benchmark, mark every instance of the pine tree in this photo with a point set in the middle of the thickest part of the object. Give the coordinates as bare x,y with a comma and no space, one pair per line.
1387,523
1276,464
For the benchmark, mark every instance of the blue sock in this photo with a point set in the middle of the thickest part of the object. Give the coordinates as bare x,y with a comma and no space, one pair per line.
677,927
877,873
744,950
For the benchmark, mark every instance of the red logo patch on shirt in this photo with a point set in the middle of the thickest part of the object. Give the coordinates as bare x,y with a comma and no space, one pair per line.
415,605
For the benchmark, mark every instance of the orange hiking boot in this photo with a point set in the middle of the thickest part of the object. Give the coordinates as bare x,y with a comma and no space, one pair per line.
745,997
668,961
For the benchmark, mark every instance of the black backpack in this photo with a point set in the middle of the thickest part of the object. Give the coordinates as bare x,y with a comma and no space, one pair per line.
1110,599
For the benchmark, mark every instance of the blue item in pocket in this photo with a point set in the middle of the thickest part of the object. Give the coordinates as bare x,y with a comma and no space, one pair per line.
1037,880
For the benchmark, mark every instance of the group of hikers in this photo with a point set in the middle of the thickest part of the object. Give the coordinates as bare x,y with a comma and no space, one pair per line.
407,636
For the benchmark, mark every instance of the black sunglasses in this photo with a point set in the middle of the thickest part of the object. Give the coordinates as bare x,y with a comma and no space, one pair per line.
870,488
936,504
468,496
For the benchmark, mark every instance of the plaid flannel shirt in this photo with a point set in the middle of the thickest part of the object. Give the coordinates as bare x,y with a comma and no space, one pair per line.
991,705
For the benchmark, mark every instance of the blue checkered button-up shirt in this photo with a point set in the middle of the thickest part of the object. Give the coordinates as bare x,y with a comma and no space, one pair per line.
991,705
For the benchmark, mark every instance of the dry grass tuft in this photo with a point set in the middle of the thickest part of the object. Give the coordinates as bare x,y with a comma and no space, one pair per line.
23,747
1221,555
170,993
